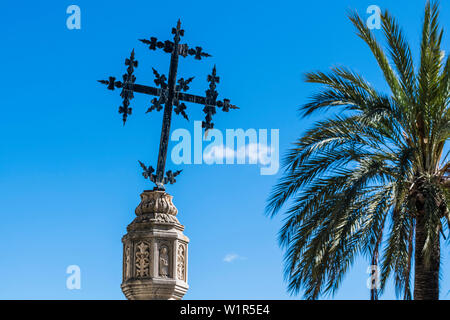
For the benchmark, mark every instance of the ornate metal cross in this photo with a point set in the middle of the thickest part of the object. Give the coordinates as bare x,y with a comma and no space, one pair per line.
169,92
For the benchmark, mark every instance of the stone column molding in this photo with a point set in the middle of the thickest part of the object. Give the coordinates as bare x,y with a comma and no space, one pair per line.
155,251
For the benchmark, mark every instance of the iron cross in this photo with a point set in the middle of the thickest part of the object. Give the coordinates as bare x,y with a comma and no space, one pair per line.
169,92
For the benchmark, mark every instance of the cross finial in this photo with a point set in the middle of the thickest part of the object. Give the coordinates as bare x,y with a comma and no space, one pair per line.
178,32
213,78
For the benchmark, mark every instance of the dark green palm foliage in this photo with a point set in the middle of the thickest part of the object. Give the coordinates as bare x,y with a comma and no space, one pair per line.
354,180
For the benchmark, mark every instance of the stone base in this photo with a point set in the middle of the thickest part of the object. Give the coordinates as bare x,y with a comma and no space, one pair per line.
155,251
154,289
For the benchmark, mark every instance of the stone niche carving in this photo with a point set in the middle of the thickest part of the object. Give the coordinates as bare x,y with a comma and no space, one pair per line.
127,262
142,260
164,261
155,251
181,262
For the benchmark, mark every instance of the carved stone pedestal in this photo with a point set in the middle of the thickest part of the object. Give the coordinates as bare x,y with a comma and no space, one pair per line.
155,251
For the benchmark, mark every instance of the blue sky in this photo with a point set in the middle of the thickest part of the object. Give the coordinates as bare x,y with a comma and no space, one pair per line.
69,177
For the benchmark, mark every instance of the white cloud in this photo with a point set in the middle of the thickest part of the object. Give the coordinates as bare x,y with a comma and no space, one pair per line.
230,257
254,152
218,152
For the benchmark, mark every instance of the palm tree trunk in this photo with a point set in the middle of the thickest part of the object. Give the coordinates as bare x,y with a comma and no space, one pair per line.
426,278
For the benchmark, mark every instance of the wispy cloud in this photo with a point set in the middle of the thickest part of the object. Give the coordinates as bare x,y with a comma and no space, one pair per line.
230,257
254,152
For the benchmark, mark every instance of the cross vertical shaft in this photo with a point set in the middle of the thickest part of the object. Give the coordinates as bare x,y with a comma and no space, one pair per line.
167,117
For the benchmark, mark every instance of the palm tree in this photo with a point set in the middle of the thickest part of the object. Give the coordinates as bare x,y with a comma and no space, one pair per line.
371,179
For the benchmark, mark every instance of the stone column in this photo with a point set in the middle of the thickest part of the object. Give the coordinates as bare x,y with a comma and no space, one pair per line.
155,251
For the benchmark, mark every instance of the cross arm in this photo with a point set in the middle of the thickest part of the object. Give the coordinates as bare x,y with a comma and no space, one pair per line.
181,96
